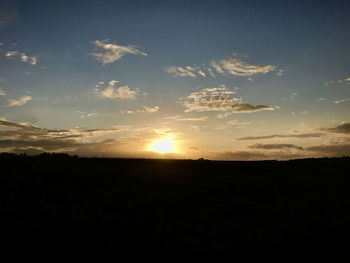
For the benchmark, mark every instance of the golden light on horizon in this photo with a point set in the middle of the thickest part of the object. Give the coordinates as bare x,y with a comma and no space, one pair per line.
163,146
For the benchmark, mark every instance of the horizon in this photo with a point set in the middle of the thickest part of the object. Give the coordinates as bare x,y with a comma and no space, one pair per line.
230,80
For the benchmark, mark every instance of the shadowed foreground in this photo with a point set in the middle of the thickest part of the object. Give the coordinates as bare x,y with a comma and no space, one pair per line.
59,208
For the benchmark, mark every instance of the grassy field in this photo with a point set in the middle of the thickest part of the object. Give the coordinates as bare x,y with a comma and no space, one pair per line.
60,208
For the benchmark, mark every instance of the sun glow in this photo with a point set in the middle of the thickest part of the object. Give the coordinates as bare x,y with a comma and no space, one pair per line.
163,146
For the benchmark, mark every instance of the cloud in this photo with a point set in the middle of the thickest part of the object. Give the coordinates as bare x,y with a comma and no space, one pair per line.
331,150
21,57
211,72
8,13
293,95
84,114
151,109
180,118
24,135
21,101
238,123
343,128
275,146
300,136
280,72
102,142
2,92
218,99
200,72
346,81
341,101
224,115
180,72
235,66
109,52
112,92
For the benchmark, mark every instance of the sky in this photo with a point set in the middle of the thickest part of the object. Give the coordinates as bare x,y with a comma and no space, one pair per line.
220,80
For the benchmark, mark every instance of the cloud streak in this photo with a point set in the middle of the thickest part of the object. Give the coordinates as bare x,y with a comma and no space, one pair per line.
21,101
110,52
300,136
275,146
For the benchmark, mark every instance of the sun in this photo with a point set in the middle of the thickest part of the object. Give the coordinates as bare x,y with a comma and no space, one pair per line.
163,146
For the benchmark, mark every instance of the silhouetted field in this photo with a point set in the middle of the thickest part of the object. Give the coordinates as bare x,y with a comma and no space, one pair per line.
63,208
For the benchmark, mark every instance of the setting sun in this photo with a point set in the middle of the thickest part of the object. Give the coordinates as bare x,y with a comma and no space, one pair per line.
163,146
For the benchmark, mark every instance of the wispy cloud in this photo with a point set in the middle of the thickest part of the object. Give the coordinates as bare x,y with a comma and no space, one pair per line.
346,81
275,146
21,57
84,114
181,72
181,118
2,92
112,92
300,136
235,66
341,100
111,52
238,123
21,101
218,99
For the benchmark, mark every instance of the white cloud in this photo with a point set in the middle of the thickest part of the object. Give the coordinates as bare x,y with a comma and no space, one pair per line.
21,57
150,109
346,81
218,99
112,92
235,66
200,72
2,92
109,52
21,101
342,100
180,71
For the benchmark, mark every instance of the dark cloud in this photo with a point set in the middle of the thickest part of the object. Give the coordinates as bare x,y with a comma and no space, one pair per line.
303,135
343,128
275,146
331,150
24,136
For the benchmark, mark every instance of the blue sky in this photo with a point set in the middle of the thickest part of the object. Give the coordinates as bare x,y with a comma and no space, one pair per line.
116,76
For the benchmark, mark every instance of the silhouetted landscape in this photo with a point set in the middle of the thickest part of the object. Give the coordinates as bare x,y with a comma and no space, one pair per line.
58,207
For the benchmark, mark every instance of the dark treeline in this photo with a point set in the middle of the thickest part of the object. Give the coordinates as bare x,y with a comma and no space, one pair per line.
59,207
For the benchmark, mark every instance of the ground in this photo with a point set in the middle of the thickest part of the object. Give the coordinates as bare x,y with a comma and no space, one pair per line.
56,207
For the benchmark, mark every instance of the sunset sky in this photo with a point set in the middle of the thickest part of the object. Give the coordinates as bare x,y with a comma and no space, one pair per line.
226,80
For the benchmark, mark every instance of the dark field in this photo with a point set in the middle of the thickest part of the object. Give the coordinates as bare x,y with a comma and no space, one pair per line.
64,208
